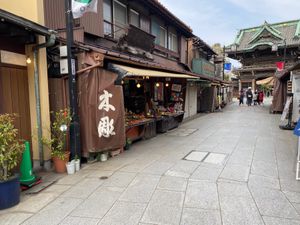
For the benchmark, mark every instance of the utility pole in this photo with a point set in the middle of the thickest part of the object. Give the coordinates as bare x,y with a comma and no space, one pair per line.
74,126
223,72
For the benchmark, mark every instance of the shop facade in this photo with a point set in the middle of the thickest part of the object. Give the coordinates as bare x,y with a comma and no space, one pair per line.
146,54
23,77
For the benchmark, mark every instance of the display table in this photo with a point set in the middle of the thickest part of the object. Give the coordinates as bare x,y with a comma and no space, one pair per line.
168,121
139,129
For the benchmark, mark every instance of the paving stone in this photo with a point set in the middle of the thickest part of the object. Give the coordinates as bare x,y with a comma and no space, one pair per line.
158,168
164,208
215,158
136,166
279,221
262,181
140,189
119,179
200,216
182,169
196,156
74,179
235,172
55,212
201,194
57,188
265,155
124,213
98,204
14,218
240,158
273,202
101,173
233,189
83,189
290,185
297,207
33,204
237,210
263,168
71,220
172,183
207,172
292,196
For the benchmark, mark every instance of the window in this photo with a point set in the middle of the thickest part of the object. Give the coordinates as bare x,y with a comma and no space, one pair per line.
160,32
134,18
163,37
107,17
145,23
120,19
173,42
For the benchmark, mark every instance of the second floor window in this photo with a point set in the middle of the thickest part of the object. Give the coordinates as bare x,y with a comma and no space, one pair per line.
163,37
107,16
115,18
134,18
160,33
120,19
173,42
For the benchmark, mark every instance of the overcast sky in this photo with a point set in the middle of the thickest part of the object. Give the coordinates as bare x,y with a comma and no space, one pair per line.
219,20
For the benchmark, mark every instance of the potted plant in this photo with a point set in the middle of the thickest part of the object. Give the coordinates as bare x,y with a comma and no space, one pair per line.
11,150
58,141
127,144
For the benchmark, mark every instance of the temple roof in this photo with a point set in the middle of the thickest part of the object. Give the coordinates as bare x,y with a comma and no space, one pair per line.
284,33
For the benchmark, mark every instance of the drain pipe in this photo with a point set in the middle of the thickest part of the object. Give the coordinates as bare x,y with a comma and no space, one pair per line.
50,42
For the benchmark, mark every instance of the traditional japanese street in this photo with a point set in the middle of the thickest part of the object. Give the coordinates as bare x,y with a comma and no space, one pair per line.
248,177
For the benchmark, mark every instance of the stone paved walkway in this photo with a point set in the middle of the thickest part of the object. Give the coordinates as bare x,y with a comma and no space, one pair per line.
151,185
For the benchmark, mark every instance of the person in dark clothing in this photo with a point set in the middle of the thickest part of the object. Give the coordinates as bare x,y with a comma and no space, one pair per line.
249,96
241,97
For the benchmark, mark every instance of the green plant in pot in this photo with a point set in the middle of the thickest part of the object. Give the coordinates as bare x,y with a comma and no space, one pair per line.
58,141
11,150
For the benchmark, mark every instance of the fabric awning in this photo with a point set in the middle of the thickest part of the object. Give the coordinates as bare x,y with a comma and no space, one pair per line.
133,72
267,81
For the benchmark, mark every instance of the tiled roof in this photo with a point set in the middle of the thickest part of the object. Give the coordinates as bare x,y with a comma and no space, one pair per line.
170,15
268,34
199,43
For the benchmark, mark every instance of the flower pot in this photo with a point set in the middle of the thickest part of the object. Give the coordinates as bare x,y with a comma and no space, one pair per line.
77,165
60,164
9,192
103,157
70,167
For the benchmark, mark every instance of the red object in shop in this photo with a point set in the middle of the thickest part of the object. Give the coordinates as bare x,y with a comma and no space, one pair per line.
280,66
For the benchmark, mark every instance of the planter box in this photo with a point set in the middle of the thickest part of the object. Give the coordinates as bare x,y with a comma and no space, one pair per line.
9,192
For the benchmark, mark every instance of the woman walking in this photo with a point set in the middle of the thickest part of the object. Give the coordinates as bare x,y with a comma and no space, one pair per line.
249,95
241,97
260,97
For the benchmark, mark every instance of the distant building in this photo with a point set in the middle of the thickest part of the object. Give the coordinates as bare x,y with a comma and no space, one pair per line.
260,48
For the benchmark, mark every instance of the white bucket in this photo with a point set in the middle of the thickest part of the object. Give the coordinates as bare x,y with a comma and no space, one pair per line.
70,167
103,157
77,165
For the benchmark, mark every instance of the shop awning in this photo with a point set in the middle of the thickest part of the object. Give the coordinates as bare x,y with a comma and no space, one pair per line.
267,81
128,71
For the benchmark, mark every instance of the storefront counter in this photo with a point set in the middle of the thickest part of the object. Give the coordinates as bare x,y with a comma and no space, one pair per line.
139,129
168,121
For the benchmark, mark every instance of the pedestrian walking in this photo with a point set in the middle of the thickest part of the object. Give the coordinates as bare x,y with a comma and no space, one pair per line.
249,95
241,97
255,98
260,97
